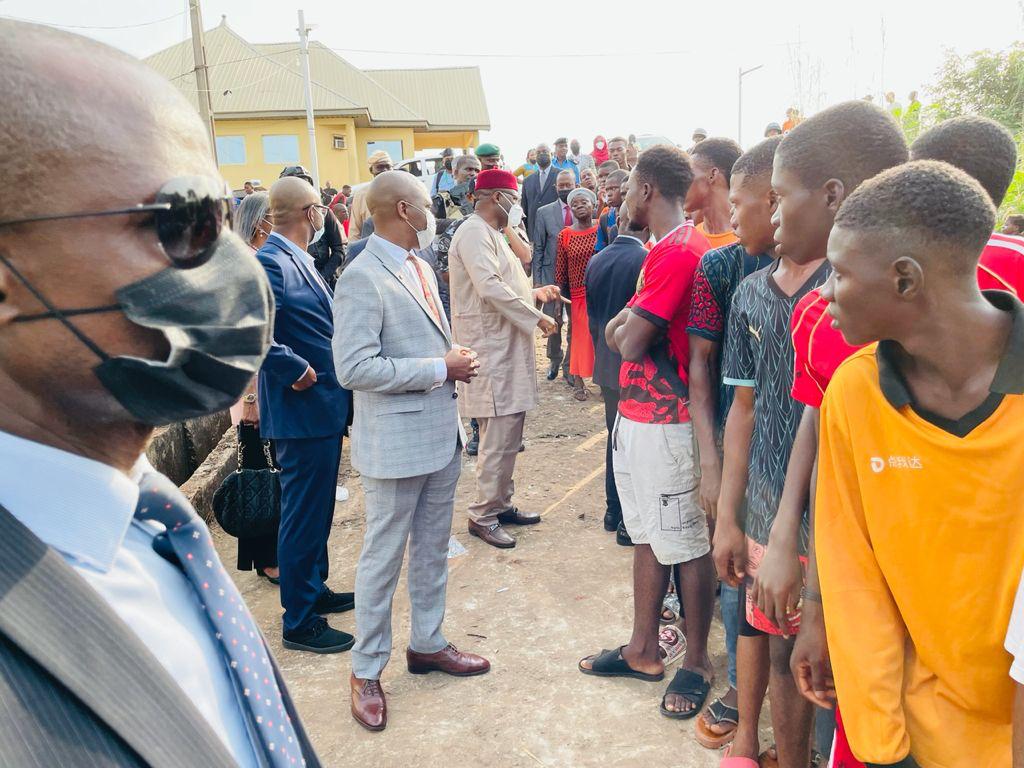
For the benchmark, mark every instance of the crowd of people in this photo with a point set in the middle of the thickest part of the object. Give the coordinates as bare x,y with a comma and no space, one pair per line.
810,354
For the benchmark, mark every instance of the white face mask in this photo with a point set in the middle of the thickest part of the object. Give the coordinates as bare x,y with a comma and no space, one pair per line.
515,214
425,236
600,145
317,233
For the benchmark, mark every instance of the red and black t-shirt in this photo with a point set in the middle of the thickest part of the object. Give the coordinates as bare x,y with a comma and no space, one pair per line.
656,391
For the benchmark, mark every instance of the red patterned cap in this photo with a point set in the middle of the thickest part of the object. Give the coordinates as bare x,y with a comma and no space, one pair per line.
496,178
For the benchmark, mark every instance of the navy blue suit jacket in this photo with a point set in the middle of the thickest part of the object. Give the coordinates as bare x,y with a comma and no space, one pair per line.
303,328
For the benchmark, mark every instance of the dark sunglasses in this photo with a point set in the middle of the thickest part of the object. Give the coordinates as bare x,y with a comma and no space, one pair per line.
189,214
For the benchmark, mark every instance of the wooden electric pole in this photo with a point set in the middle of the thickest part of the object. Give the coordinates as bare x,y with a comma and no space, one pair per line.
202,75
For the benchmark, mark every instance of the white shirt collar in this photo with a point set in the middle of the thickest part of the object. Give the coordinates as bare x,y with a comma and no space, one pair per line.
630,237
291,246
396,253
78,506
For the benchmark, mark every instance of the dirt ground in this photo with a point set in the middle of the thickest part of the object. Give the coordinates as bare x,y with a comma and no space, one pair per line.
563,592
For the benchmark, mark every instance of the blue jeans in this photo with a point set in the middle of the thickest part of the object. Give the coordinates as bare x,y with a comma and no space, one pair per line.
730,604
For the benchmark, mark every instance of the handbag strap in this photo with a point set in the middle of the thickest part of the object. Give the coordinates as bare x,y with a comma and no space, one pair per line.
266,455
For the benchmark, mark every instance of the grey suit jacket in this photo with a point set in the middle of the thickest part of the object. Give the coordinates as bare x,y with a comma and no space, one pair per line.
385,344
550,222
77,686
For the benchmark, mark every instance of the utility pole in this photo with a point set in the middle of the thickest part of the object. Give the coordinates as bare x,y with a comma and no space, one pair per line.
304,53
739,111
202,76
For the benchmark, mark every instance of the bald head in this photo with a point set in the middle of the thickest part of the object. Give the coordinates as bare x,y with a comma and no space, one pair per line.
290,198
81,115
389,189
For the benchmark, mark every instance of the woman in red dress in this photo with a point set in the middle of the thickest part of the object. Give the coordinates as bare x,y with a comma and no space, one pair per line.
575,249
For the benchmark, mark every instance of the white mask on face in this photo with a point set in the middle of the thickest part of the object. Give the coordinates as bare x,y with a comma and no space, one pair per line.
425,236
515,214
317,233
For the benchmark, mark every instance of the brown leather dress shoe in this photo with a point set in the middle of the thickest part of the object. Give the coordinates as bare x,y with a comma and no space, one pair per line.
449,660
369,707
494,535
515,517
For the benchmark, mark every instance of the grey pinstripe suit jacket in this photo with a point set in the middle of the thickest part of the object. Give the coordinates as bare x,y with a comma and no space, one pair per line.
78,689
385,339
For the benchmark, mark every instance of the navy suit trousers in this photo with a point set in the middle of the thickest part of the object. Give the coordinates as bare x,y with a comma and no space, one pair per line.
309,476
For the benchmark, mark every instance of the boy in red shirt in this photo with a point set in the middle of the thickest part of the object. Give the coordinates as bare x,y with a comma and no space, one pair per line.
986,151
653,447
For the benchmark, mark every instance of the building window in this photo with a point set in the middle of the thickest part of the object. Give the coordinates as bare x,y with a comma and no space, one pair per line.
339,142
393,148
231,150
280,149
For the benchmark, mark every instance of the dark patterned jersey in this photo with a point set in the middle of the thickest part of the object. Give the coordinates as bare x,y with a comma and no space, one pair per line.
716,280
759,354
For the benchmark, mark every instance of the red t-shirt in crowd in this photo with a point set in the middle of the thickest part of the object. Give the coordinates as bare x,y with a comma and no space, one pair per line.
656,390
820,348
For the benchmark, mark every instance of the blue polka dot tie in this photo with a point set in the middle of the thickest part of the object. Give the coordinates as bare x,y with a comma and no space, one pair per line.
233,625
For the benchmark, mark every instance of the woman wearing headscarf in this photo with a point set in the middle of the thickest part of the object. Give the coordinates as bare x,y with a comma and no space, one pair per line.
575,248
259,553
600,152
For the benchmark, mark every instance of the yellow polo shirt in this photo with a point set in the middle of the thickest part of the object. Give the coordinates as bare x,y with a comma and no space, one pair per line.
919,530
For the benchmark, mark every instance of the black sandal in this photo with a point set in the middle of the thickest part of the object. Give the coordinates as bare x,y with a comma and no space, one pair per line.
692,687
611,664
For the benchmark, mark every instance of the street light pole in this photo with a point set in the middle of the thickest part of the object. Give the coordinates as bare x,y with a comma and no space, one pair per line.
310,126
739,111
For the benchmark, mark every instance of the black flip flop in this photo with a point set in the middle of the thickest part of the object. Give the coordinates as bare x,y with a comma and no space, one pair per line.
692,687
611,664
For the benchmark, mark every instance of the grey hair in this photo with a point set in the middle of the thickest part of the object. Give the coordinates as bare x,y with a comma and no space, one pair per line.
463,160
582,192
249,213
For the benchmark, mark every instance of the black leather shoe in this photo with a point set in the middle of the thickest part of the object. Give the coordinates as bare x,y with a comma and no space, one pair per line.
552,373
612,520
334,602
622,536
320,638
515,517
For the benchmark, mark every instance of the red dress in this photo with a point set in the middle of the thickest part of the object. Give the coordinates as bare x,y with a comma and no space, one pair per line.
575,249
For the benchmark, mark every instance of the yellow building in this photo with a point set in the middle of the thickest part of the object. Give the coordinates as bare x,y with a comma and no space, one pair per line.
259,107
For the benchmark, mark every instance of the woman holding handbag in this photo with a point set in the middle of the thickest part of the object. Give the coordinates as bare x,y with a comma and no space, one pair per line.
259,553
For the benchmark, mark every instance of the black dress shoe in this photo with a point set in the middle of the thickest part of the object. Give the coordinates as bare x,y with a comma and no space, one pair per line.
320,638
272,579
334,602
622,536
552,373
612,520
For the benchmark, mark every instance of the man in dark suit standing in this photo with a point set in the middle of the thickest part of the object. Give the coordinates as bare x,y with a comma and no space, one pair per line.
304,410
611,280
123,641
539,188
551,219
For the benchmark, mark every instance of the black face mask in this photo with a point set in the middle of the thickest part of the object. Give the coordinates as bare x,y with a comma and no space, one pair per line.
543,159
563,195
217,318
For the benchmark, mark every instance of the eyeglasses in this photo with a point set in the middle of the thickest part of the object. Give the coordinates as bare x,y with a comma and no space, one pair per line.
188,216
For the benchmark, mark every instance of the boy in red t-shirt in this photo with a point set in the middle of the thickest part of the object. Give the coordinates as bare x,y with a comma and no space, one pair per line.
985,150
653,447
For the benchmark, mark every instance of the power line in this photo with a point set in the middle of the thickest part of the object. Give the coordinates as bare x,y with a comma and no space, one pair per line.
236,61
537,56
82,26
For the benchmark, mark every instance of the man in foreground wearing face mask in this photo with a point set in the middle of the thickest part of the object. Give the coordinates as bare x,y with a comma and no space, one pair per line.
123,642
494,313
395,351
304,410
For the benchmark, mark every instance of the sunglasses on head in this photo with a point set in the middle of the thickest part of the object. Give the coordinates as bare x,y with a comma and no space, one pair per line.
189,214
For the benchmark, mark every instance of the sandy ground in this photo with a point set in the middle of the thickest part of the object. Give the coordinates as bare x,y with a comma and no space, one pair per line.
562,593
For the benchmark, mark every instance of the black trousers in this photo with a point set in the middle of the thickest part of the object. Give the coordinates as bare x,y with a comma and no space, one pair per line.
611,493
255,552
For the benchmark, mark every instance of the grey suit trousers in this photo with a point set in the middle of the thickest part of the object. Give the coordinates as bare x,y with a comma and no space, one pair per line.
417,510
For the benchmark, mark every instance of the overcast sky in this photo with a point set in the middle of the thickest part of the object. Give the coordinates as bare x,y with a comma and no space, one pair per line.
639,67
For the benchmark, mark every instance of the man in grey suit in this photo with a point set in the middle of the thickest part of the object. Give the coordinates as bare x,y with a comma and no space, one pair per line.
393,349
551,220
539,188
123,642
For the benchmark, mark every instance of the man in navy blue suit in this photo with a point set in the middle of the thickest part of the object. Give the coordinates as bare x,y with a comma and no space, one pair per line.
304,410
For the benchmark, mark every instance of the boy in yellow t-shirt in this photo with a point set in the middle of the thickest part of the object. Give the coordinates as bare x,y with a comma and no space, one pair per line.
920,491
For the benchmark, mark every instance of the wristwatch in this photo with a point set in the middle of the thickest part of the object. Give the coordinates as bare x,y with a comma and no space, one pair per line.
250,399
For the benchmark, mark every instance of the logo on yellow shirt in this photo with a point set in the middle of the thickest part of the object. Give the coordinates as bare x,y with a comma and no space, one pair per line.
878,464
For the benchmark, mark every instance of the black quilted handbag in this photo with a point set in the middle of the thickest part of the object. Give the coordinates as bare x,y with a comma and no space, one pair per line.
248,502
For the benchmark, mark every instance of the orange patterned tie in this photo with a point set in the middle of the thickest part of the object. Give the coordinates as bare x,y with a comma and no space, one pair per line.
426,289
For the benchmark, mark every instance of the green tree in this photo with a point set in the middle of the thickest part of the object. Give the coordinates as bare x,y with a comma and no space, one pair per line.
989,83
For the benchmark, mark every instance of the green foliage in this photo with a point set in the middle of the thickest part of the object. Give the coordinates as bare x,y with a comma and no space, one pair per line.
989,83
